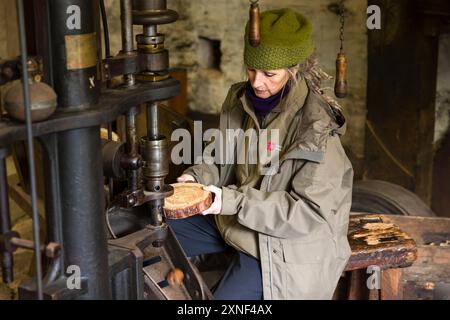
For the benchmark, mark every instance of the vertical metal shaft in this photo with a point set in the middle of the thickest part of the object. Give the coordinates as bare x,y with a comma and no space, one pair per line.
155,153
5,220
126,18
26,94
126,25
53,217
152,120
132,146
150,30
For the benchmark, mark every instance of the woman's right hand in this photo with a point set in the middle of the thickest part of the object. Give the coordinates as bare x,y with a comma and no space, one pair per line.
185,178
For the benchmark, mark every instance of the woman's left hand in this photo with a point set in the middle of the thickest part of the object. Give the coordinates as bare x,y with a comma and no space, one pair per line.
216,206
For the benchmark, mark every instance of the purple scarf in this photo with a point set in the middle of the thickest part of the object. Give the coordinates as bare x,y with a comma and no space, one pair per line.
262,106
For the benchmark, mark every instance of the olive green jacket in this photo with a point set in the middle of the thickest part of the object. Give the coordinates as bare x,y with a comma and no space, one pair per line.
296,219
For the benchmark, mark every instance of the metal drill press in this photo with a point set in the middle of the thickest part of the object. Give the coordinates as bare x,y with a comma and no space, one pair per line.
123,249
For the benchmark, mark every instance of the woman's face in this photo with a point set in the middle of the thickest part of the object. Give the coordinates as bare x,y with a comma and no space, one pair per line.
267,83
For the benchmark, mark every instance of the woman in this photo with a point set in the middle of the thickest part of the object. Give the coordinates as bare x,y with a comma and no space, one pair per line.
288,228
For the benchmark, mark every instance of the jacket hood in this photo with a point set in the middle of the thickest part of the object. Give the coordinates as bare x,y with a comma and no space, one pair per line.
318,120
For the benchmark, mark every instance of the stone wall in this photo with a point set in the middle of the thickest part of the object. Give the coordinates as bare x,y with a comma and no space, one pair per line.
9,40
224,21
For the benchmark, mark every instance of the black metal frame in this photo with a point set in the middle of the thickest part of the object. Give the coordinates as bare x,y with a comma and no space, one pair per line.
76,221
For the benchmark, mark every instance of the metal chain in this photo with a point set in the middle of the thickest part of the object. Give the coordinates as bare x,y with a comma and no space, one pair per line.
342,14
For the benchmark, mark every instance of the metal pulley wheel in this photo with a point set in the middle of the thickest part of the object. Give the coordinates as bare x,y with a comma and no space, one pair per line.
152,12
381,197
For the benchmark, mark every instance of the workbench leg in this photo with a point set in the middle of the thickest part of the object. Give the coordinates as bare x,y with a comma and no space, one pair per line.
391,284
357,288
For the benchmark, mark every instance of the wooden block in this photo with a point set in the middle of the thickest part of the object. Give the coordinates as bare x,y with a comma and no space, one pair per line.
188,199
376,240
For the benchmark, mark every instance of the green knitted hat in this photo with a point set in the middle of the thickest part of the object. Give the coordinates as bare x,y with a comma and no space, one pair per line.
285,41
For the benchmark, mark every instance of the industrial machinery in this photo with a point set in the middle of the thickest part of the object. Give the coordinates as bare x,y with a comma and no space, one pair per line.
122,249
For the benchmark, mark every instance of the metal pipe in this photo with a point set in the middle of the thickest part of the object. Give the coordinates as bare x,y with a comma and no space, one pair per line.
79,150
126,19
32,169
150,30
53,217
132,143
152,121
74,43
82,206
5,220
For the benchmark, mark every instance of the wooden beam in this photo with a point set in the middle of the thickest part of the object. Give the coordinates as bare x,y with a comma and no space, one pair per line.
376,241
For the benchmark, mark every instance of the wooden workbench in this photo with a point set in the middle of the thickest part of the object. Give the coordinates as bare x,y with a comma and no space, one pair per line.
409,255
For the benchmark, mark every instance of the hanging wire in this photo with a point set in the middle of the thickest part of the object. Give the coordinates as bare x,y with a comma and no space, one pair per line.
105,29
32,168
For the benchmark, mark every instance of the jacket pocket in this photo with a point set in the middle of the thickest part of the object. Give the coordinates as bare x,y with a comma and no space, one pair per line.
242,239
308,252
312,269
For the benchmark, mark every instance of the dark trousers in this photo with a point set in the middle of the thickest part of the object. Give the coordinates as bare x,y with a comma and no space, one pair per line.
199,235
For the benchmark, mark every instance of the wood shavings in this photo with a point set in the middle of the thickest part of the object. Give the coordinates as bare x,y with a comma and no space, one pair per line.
378,226
441,244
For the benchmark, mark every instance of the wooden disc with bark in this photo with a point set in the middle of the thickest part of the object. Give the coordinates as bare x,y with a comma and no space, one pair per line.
187,200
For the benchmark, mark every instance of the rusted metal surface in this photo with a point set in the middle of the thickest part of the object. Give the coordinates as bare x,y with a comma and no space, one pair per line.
43,101
376,240
81,51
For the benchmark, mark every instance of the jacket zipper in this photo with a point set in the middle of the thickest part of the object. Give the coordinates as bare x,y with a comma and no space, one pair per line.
269,249
269,243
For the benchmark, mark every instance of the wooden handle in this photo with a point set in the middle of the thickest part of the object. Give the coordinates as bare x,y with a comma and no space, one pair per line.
340,88
254,35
